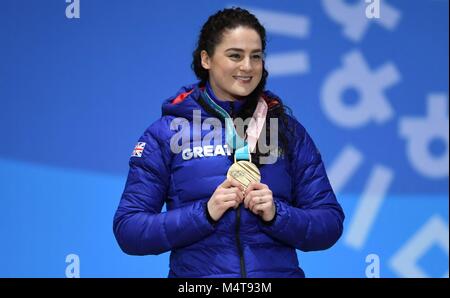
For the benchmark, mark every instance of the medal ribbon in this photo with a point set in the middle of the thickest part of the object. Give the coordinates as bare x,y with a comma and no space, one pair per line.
234,140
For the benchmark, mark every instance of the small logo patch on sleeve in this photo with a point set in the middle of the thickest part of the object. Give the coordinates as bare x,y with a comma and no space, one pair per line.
138,149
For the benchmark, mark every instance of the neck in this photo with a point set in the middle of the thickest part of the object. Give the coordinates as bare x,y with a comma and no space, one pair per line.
212,90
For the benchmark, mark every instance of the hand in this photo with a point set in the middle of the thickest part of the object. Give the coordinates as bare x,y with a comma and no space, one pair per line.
259,200
228,194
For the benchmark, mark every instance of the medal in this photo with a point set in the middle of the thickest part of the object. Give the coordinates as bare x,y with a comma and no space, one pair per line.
242,170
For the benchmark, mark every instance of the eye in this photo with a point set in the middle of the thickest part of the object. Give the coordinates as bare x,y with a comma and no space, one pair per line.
257,57
235,56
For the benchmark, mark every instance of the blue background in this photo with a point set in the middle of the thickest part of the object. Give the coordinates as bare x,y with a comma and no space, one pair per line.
76,94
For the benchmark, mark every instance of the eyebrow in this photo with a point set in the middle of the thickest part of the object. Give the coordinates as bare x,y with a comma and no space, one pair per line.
241,50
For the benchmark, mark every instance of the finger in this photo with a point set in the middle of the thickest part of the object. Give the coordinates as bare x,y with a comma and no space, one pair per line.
237,204
247,199
230,204
254,186
260,200
226,183
234,191
236,196
237,184
259,208
254,201
250,187
250,193
240,194
259,192
230,190
256,193
230,182
229,197
253,194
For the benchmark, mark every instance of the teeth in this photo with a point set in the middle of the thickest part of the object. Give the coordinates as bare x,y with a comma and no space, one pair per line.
243,78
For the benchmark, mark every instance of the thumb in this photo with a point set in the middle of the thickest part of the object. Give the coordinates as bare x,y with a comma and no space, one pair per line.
230,182
226,184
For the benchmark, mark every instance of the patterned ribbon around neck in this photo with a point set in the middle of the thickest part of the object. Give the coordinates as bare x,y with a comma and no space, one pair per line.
242,147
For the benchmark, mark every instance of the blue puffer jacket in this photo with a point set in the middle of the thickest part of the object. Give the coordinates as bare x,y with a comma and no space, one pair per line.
308,217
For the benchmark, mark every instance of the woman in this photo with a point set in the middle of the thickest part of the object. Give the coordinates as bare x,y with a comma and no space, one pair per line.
234,208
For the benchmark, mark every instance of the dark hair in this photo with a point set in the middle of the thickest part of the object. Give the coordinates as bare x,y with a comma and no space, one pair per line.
210,36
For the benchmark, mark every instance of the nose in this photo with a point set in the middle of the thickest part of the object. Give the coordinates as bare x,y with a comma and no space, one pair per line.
246,65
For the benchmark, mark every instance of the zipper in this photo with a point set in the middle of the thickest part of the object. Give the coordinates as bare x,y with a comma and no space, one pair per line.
238,221
238,242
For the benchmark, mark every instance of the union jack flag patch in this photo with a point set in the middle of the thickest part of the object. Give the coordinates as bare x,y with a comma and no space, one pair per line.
138,149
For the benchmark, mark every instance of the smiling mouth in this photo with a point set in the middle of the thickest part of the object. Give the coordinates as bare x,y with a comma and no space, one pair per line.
244,79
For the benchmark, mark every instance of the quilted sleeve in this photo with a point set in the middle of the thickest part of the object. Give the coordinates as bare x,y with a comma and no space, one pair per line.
315,219
139,225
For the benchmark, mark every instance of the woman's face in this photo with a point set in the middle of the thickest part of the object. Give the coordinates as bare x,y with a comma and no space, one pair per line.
235,68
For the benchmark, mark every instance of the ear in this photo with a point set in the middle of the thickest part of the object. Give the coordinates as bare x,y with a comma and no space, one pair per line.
205,59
